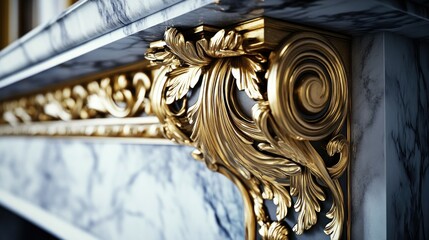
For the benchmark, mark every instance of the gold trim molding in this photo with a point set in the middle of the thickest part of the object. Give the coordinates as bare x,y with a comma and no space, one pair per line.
114,104
117,96
264,102
139,127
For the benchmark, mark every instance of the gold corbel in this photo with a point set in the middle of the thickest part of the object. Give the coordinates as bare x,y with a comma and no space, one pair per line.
299,90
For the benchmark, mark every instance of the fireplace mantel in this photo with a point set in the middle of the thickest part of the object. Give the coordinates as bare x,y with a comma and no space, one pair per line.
315,113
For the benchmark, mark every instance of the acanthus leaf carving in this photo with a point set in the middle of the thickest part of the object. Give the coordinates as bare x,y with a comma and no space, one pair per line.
305,100
181,81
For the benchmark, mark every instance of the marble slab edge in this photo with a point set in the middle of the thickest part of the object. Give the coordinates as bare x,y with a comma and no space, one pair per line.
127,44
82,22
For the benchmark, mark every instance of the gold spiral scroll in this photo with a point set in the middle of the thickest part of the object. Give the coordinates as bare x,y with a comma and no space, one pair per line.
307,87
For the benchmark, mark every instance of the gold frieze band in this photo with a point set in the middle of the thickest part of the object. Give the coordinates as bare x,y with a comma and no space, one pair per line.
116,96
264,102
109,105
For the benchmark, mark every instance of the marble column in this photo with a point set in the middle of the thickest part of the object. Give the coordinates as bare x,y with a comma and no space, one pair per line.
390,137
407,137
122,191
368,181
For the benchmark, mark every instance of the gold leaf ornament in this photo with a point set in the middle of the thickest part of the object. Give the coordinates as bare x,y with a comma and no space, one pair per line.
280,196
181,80
271,150
277,231
195,57
308,195
244,71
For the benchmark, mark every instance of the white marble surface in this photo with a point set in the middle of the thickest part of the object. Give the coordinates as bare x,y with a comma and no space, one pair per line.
407,135
82,22
117,191
368,176
32,213
390,116
85,27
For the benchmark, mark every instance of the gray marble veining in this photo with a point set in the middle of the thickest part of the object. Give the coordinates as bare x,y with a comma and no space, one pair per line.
90,29
119,191
407,136
84,21
125,191
390,165
368,182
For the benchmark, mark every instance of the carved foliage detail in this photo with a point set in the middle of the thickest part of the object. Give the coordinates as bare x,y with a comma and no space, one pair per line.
300,96
118,96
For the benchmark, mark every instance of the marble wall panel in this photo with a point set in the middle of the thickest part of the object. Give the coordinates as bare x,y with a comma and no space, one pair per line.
407,137
368,177
123,191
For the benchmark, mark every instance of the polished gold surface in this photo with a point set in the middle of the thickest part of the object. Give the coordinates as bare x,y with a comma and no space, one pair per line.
265,103
306,65
117,96
114,104
268,153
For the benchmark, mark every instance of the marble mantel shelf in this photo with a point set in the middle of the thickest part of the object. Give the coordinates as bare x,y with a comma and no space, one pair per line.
119,31
101,203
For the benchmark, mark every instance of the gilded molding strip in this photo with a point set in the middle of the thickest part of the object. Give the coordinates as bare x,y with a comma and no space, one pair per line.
300,96
139,127
119,96
265,103
115,105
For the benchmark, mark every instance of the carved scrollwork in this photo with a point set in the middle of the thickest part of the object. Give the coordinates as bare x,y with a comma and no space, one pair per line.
300,96
307,88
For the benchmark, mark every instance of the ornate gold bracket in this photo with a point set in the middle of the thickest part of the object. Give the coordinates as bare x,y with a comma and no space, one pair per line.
299,93
265,103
